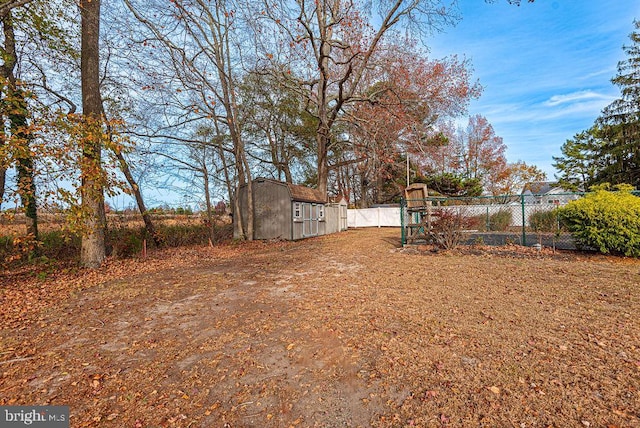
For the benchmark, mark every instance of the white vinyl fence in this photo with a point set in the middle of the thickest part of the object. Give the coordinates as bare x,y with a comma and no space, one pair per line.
374,217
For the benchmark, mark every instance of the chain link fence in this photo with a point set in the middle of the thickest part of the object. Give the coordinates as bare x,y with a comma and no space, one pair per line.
528,220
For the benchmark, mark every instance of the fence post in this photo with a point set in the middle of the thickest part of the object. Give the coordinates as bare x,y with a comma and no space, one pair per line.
488,221
403,237
524,233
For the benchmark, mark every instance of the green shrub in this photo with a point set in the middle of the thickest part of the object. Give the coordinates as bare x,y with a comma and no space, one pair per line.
544,221
122,240
6,245
606,221
497,221
55,244
500,220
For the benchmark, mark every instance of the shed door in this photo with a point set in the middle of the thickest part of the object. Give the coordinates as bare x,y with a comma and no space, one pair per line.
343,218
309,220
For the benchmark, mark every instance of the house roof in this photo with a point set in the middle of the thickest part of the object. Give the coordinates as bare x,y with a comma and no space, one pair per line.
306,194
338,199
539,187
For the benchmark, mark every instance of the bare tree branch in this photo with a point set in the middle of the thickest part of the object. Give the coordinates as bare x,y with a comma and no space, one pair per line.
7,6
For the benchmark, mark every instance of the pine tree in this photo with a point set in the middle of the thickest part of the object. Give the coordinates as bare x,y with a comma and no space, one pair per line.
620,121
580,161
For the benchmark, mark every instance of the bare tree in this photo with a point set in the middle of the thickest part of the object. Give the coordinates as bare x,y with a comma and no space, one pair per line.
202,47
204,160
333,47
135,189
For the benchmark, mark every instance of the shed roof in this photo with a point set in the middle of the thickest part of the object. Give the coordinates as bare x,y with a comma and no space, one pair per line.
306,194
298,193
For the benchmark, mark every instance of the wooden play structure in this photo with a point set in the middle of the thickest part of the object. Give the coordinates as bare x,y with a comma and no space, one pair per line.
419,214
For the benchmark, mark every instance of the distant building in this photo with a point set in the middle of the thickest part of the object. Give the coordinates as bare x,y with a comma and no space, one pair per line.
547,192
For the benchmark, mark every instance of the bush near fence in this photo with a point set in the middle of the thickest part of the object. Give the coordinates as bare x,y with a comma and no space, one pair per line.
606,221
500,220
449,226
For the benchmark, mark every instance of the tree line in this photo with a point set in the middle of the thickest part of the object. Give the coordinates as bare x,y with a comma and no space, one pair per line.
106,96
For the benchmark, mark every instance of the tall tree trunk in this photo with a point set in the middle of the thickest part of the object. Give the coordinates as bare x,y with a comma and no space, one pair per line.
17,113
207,200
226,73
92,187
288,177
4,68
237,215
323,137
3,178
322,140
250,207
274,152
225,167
22,153
232,190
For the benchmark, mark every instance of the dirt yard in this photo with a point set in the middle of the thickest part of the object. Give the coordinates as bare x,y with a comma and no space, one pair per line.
345,330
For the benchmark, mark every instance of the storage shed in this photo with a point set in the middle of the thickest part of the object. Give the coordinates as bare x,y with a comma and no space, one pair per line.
288,211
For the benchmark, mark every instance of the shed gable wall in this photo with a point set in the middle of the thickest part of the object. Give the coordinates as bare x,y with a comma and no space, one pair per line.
272,206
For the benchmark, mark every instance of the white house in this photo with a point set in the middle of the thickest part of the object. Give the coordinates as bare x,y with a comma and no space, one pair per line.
547,192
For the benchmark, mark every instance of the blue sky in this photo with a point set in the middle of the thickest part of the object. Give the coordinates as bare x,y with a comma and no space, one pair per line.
545,67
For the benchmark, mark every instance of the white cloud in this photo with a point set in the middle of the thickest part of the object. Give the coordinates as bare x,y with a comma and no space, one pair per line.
577,97
608,71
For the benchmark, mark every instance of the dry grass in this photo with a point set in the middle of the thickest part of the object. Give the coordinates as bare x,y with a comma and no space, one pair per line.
342,330
14,224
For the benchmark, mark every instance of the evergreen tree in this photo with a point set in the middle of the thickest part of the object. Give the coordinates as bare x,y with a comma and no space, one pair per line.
620,121
580,161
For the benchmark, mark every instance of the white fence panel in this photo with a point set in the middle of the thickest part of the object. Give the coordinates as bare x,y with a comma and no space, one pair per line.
374,217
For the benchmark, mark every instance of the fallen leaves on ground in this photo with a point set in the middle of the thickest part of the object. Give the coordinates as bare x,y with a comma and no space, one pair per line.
341,330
